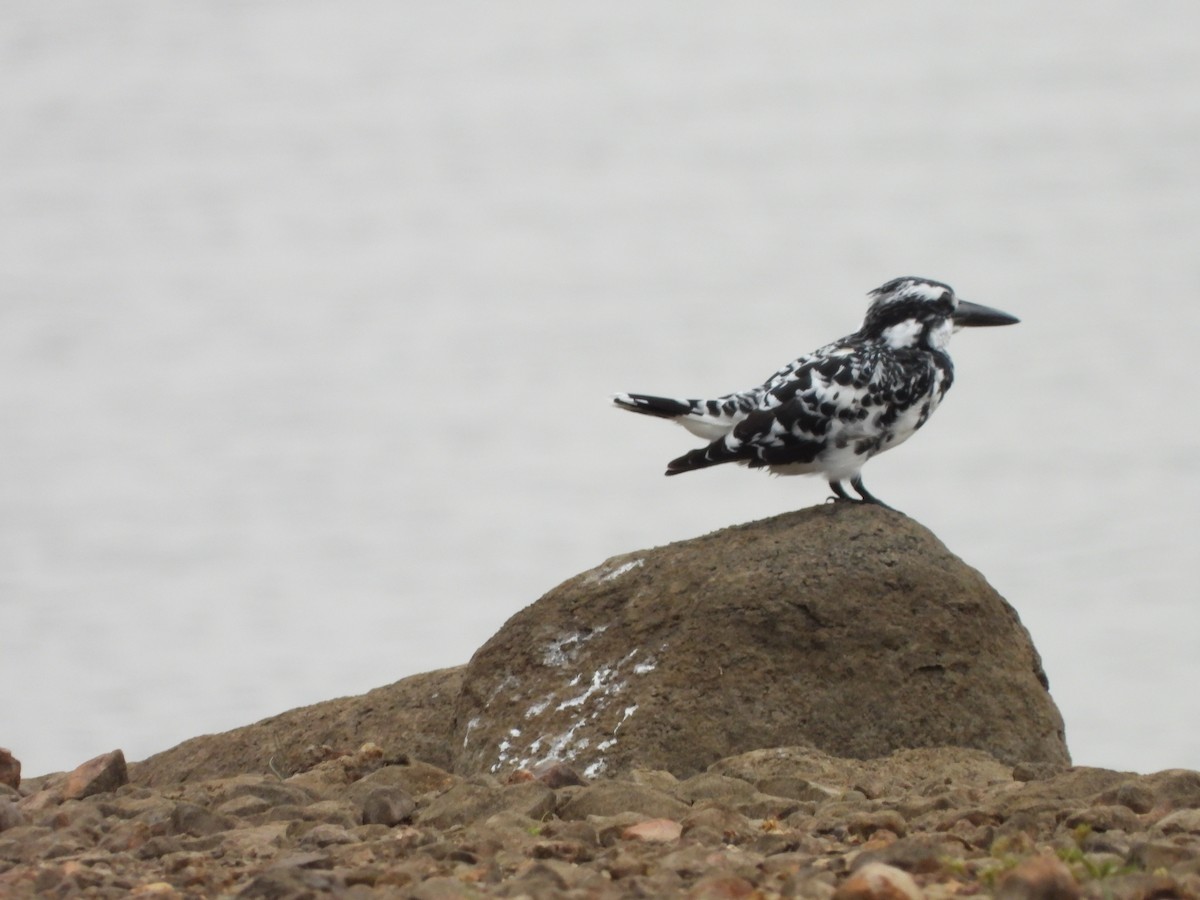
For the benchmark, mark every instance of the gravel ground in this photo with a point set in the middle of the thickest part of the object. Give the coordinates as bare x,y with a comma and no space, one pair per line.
787,822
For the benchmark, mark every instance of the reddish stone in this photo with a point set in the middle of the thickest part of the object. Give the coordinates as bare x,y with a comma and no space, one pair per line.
555,774
658,831
879,881
10,769
96,776
43,799
721,887
1039,878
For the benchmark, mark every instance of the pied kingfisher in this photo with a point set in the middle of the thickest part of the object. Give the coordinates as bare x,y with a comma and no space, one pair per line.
832,410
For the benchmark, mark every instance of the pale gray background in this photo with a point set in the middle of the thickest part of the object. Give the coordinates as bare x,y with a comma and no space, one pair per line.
310,312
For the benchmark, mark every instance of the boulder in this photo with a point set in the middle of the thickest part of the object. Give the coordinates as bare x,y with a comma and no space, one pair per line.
102,774
847,627
411,716
879,881
10,769
808,774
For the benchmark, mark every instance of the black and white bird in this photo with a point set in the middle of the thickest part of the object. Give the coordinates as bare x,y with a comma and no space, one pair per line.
829,412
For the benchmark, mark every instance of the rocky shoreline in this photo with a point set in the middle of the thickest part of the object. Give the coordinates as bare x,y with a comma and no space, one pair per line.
825,704
783,822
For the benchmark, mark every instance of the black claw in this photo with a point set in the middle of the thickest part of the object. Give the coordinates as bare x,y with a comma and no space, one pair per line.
867,497
839,491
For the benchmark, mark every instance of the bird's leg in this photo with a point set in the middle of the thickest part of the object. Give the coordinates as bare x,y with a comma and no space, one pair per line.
839,491
867,497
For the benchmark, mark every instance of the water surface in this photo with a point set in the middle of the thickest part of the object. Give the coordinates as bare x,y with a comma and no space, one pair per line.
310,315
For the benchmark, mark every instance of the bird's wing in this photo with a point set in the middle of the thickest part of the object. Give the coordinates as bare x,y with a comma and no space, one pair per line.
821,398
794,414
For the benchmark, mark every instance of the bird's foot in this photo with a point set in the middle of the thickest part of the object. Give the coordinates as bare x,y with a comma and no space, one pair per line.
864,496
839,493
867,496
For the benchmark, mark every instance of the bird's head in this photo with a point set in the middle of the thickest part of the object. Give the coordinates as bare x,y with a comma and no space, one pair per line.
912,312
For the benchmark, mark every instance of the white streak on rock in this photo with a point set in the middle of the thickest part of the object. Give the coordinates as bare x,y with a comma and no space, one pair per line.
538,708
474,723
560,747
507,682
590,700
629,711
621,570
562,650
599,678
502,756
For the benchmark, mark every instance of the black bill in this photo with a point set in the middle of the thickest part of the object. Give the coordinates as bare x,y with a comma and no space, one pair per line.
973,315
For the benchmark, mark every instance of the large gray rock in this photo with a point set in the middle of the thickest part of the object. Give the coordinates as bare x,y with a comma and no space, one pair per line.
411,716
846,626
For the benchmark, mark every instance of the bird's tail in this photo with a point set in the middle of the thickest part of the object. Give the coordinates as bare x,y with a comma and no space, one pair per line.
692,415
662,407
708,419
702,457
